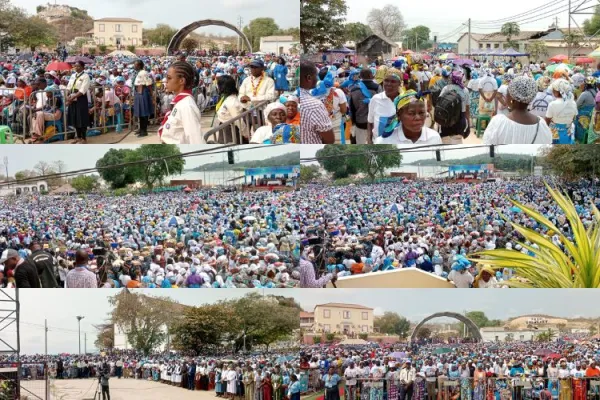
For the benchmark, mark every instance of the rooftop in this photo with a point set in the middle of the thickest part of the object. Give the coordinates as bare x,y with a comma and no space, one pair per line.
277,39
112,19
304,314
343,305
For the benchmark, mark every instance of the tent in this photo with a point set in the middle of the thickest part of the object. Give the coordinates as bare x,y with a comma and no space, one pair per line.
513,53
123,53
340,50
174,221
64,189
595,53
442,350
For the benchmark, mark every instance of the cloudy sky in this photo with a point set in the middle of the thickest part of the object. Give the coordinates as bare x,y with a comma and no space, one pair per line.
179,13
21,157
309,151
60,307
444,17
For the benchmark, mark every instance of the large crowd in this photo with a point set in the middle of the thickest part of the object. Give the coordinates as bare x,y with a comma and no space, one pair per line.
260,376
206,238
430,225
42,97
561,369
420,99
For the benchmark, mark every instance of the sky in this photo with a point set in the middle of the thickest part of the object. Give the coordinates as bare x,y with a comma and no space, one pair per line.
443,17
179,13
60,307
21,157
309,151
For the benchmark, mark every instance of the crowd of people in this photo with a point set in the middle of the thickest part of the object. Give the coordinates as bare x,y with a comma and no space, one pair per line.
42,97
206,238
430,225
515,371
268,376
420,100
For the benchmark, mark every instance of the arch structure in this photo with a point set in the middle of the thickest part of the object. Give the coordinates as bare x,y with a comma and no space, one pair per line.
470,324
177,39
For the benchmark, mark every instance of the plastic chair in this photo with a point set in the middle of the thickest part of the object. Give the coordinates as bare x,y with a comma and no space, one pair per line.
479,124
6,135
59,129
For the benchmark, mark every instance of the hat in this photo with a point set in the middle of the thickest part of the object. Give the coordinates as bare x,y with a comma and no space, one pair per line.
257,63
8,253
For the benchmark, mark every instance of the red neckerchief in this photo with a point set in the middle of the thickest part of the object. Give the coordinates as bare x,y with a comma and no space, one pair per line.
176,100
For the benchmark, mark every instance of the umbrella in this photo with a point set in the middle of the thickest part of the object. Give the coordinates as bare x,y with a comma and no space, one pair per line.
174,221
595,53
187,189
453,203
553,356
283,359
58,66
559,58
448,56
515,209
398,355
74,59
249,218
407,52
463,61
543,352
554,67
399,58
442,350
121,53
426,57
584,60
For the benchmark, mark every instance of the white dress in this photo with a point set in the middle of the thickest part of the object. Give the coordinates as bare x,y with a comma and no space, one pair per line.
231,384
177,374
502,130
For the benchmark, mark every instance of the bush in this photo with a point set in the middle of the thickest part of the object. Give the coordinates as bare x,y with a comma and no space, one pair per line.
131,49
317,340
330,337
121,192
102,49
363,336
344,181
92,51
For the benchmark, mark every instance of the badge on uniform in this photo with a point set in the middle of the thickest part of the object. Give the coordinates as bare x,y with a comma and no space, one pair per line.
174,112
168,126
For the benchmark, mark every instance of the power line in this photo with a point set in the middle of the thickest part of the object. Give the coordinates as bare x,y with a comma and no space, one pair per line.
54,328
533,10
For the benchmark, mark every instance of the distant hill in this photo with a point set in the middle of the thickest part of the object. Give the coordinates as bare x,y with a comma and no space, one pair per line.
292,158
505,162
69,22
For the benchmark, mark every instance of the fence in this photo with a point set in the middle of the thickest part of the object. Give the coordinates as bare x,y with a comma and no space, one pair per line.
443,388
232,131
24,381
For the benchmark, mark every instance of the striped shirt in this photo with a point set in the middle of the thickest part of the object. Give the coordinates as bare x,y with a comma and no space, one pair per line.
81,277
314,118
307,276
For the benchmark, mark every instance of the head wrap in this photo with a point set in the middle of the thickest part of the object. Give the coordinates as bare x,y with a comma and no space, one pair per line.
543,83
522,89
393,73
563,87
457,79
400,102
324,85
273,106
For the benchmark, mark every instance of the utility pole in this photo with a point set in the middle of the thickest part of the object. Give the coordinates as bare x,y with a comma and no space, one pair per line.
46,337
79,318
469,50
84,342
239,39
6,169
570,37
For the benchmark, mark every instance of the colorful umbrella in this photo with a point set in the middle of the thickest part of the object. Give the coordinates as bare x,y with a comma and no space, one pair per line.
584,60
407,52
74,59
559,58
58,66
448,56
595,53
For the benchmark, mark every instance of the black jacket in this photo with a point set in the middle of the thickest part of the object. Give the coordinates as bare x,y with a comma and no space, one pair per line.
44,263
358,107
26,275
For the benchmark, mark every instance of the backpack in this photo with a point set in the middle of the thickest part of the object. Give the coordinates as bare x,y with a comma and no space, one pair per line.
448,109
436,90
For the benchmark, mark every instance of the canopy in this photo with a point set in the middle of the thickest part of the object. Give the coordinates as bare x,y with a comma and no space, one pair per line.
74,59
442,350
124,53
513,53
342,50
595,53
282,359
25,57
559,58
174,221
584,60
448,56
463,61
58,66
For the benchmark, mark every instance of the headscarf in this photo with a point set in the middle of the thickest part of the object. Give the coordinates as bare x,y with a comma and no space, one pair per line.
507,78
522,89
578,79
543,83
485,268
457,79
393,73
271,107
563,87
324,85
410,96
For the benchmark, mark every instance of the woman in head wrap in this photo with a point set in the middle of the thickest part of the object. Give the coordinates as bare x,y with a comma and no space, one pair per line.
501,95
486,278
586,102
381,107
291,106
519,126
277,130
454,134
539,105
561,112
334,100
409,125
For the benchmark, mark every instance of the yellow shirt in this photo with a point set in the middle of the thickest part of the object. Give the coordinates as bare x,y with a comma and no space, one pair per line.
380,74
433,80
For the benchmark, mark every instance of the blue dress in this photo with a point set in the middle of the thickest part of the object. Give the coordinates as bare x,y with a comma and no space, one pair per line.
280,75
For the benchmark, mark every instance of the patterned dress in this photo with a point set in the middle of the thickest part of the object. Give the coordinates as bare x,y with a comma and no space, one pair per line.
419,388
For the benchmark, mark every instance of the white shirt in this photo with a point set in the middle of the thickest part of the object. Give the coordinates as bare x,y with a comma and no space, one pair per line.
561,111
539,105
143,79
406,375
351,374
262,134
265,90
487,84
80,83
462,281
183,124
502,130
381,108
428,136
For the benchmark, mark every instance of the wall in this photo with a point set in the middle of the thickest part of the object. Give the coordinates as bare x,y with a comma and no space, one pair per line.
490,336
401,278
308,339
192,184
338,323
274,47
14,189
126,34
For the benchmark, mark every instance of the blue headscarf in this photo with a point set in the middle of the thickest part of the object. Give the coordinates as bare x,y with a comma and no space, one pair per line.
323,86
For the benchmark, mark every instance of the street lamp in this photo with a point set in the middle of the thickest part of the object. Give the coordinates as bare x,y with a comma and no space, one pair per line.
79,318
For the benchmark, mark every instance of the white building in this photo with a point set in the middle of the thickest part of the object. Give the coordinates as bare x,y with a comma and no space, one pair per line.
277,44
499,334
117,32
28,188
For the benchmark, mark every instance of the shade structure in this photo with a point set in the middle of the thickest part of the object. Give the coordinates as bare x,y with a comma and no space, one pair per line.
510,52
463,61
74,59
58,66
559,58
584,60
340,50
595,53
448,56
123,53
174,221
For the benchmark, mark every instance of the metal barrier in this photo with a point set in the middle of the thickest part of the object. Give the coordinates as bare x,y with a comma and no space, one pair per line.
444,388
232,131
24,381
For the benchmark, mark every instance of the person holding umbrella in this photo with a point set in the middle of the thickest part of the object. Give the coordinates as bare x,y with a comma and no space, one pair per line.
77,102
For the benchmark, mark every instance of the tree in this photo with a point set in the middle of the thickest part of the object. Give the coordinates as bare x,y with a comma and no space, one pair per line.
189,44
562,328
43,168
509,337
479,318
155,172
338,163
20,175
106,336
308,173
424,333
145,320
510,30
392,324
546,336
118,177
294,32
84,183
10,23
416,38
593,329
345,161
260,27
357,31
592,26
79,43
102,49
387,21
537,49
573,39
322,23
131,48
160,35
34,31
59,166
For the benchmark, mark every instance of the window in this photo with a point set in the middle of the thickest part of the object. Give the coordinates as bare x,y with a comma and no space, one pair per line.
497,338
327,328
134,28
365,328
101,40
496,45
101,27
134,41
365,316
326,314
346,314
481,45
488,46
117,27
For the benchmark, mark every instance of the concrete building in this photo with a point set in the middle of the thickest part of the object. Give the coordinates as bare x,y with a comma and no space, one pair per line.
500,334
28,188
307,320
277,44
536,320
118,32
343,318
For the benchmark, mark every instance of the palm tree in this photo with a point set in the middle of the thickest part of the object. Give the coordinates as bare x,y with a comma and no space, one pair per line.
573,264
510,30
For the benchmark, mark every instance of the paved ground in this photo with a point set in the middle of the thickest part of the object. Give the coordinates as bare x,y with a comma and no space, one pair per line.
123,389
